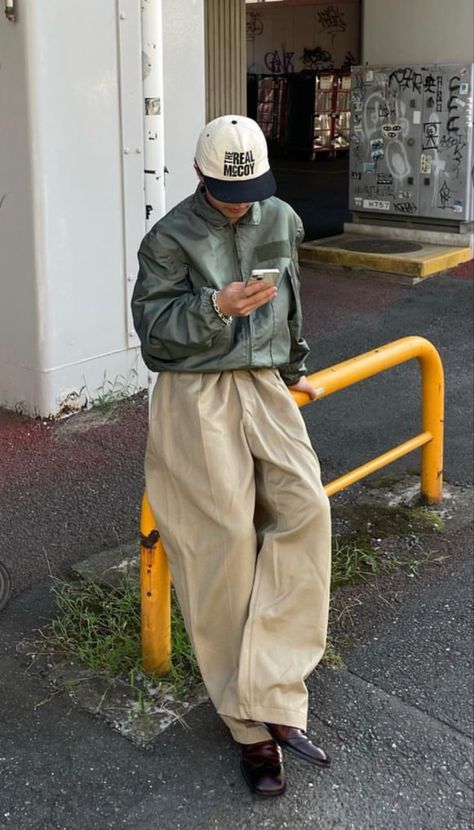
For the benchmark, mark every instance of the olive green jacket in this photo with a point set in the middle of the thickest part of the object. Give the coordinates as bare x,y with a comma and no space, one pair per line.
195,250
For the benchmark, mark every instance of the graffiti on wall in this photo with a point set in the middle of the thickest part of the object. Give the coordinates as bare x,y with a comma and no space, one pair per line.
406,78
331,20
409,142
254,25
275,62
316,58
274,33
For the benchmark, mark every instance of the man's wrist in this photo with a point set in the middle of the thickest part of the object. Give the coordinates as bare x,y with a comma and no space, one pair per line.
225,319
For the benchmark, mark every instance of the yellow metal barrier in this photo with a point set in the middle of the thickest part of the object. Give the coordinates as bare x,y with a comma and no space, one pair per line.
155,578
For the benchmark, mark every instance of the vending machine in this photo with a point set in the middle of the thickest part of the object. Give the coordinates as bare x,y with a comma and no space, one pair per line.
411,138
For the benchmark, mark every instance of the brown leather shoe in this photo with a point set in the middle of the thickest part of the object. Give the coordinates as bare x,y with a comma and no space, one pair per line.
296,741
262,768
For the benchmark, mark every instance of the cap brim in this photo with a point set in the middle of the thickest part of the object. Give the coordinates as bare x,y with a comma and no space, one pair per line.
251,190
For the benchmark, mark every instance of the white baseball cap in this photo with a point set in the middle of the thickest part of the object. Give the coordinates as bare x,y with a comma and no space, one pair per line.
232,156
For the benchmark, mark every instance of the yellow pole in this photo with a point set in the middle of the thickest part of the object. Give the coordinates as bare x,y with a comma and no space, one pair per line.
155,577
432,415
155,592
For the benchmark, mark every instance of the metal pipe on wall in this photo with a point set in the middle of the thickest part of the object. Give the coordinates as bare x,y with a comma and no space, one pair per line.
152,56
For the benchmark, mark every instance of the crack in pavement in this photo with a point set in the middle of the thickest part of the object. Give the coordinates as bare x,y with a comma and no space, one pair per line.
412,707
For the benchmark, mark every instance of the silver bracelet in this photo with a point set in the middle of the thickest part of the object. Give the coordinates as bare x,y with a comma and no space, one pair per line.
226,320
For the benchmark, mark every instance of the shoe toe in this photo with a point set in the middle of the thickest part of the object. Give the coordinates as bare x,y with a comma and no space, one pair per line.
297,742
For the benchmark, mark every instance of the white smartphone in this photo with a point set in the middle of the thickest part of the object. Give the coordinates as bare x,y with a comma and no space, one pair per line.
269,276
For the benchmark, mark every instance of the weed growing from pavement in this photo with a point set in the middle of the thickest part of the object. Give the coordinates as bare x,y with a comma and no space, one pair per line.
100,627
352,562
109,393
357,561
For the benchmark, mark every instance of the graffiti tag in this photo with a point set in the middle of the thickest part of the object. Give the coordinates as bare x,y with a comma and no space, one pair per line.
331,20
404,207
431,135
445,195
313,58
453,104
276,63
254,25
405,78
455,144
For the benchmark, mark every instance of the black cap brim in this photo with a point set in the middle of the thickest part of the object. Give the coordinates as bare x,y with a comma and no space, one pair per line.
251,190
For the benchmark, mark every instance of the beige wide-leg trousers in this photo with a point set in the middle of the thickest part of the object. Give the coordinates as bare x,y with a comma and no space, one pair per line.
236,491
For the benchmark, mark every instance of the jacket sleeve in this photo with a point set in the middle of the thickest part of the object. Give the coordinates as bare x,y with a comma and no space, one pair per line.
172,318
296,367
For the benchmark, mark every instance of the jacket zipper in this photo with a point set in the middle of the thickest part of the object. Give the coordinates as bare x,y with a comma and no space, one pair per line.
246,320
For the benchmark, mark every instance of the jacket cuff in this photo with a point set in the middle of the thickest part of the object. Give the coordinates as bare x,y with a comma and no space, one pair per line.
290,378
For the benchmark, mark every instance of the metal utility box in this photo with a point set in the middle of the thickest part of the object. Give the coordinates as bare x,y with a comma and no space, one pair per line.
411,149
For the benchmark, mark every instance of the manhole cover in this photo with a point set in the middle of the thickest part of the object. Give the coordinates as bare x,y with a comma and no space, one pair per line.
381,246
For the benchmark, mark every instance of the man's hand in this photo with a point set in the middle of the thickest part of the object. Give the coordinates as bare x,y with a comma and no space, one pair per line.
239,300
304,385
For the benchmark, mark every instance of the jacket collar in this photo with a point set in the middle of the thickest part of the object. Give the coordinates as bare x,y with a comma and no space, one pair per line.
217,219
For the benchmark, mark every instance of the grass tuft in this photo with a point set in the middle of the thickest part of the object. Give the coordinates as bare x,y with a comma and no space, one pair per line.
100,626
352,561
109,393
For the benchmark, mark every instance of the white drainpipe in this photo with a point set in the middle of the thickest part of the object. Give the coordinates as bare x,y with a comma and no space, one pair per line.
154,143
153,129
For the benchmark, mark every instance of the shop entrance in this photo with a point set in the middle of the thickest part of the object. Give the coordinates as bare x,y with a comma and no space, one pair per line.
299,56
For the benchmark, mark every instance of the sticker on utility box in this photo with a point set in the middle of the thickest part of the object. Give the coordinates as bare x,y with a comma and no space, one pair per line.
376,204
425,165
377,149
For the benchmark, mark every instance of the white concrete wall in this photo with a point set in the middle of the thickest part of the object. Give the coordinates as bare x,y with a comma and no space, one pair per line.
66,325
417,31
184,93
71,174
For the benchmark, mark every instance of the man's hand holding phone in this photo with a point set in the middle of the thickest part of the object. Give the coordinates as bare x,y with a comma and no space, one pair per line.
239,299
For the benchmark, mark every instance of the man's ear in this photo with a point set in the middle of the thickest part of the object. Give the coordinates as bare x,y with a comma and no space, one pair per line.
198,173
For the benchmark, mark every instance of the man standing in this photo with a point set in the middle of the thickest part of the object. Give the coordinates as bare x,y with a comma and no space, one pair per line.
231,476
